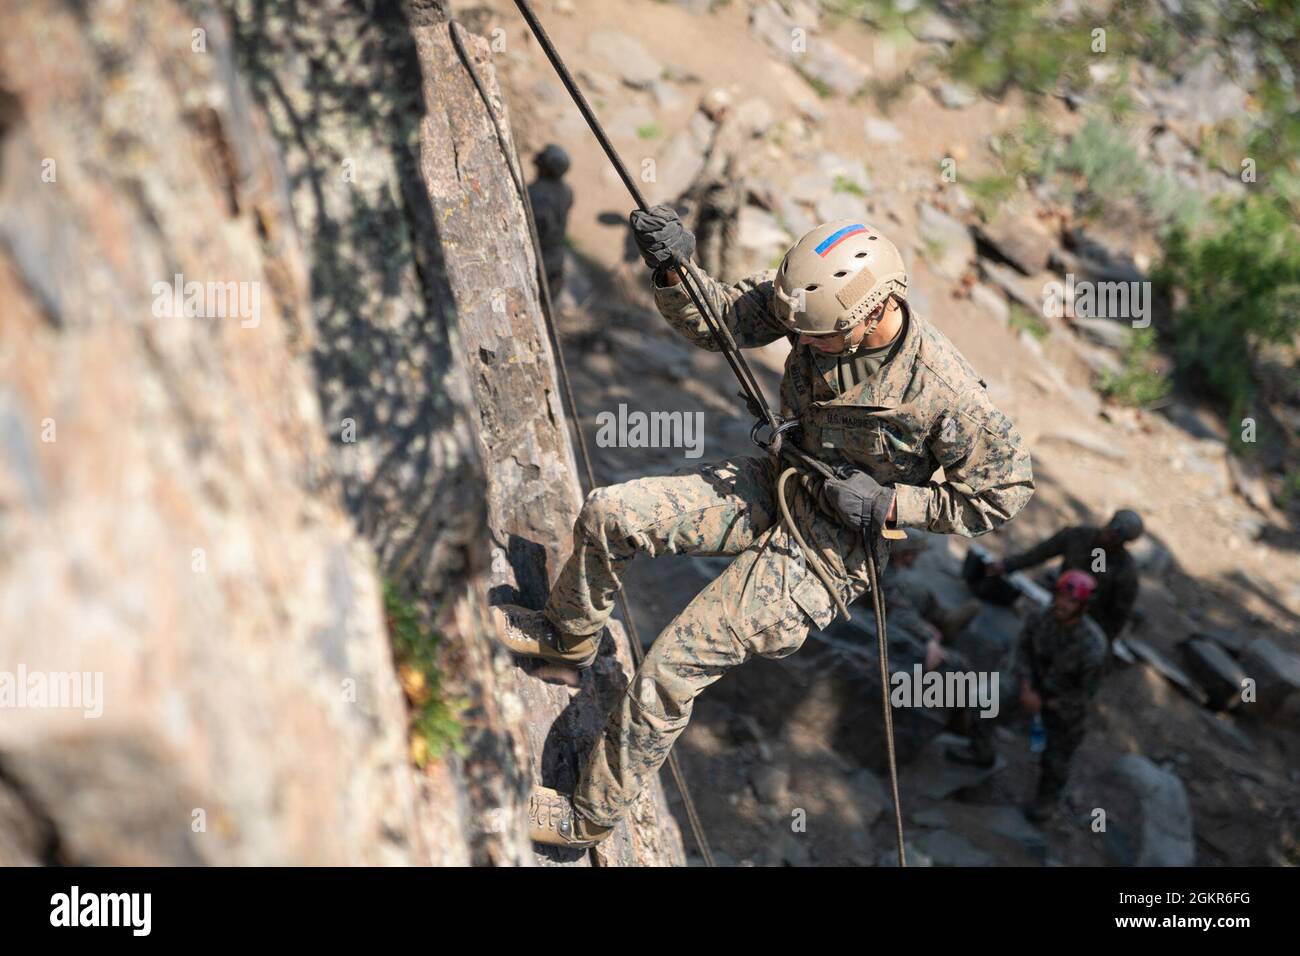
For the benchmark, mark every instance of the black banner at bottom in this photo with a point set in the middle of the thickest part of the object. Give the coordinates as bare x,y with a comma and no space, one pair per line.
363,905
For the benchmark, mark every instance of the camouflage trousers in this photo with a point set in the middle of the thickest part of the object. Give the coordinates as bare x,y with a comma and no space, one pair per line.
1064,723
717,228
764,603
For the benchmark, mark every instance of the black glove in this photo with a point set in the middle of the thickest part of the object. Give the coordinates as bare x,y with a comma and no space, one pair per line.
858,500
661,237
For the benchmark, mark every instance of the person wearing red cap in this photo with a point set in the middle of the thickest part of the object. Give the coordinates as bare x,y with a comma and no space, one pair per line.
1101,551
1059,662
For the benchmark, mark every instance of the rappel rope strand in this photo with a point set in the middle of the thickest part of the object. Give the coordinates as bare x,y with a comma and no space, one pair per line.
878,601
878,605
814,561
571,406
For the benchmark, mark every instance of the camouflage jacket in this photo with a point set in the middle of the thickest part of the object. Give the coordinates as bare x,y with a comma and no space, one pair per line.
1062,662
924,409
1117,580
551,200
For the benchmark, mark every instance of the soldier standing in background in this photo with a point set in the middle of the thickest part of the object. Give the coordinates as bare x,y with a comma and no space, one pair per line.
551,199
1059,662
717,193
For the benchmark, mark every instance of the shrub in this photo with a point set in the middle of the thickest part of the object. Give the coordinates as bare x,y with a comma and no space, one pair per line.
1236,282
1022,320
1019,43
843,184
1139,381
434,727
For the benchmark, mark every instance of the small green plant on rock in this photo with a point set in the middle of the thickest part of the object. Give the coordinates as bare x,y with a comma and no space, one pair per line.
434,725
1022,320
1139,382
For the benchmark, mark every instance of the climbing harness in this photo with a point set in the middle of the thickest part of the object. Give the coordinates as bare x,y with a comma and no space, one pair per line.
750,391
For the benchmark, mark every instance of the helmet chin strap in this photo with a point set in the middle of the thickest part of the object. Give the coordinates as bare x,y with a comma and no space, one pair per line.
872,325
881,311
853,349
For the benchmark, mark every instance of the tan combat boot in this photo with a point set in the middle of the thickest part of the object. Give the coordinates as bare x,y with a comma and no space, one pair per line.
529,633
553,821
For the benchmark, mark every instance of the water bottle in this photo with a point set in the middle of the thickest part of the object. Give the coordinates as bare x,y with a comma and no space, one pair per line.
1037,735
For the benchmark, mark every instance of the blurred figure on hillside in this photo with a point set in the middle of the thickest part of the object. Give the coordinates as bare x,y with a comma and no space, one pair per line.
1060,657
1099,551
716,195
920,627
551,199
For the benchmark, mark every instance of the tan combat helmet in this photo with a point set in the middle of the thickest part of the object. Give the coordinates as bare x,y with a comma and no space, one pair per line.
836,276
716,104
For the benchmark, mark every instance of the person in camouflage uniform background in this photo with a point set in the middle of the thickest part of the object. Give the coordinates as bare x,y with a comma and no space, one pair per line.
1060,658
921,629
895,410
718,191
1099,551
551,199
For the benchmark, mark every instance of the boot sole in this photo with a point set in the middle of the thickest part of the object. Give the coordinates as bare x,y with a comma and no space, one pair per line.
549,840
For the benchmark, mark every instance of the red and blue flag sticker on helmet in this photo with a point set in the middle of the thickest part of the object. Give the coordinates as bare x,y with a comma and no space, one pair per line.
835,238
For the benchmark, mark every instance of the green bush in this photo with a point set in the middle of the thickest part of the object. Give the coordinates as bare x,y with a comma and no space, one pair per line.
1139,382
1019,43
843,184
1236,281
1096,169
1024,152
1022,320
434,727
1102,154
819,86
1290,496
1272,29
1106,169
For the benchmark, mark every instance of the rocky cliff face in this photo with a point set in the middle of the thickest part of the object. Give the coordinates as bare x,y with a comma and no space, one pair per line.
205,488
